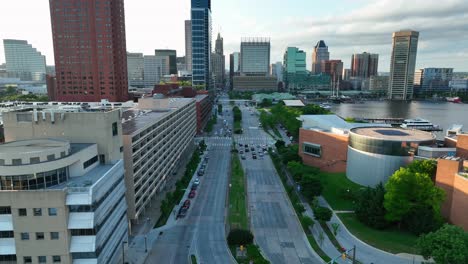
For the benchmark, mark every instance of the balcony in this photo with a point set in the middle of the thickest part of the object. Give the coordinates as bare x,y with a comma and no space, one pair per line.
6,222
7,246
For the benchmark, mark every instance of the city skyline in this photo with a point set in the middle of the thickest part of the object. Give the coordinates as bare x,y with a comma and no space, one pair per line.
441,27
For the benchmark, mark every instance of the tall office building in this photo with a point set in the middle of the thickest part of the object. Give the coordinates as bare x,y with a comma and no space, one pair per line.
90,49
319,54
201,43
188,44
171,59
135,65
334,68
294,63
402,66
435,80
23,61
255,56
218,63
364,65
234,67
277,70
154,69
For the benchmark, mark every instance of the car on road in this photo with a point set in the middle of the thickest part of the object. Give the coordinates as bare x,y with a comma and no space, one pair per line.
241,152
240,145
261,154
252,149
243,157
254,156
186,204
192,194
247,150
197,181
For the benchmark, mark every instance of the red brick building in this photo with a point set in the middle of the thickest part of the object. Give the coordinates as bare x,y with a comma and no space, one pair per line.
90,50
452,178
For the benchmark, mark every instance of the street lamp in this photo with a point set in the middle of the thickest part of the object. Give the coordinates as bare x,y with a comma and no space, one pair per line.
146,248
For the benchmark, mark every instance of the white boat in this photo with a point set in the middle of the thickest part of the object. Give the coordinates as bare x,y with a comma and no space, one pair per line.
420,124
325,106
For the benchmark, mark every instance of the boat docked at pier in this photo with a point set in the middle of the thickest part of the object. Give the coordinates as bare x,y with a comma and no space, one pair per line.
420,124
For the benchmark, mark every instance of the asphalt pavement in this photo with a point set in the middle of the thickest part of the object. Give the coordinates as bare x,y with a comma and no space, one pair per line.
274,223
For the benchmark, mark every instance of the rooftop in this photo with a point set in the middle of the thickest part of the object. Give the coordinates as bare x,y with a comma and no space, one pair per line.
331,123
395,134
294,103
32,146
135,119
87,180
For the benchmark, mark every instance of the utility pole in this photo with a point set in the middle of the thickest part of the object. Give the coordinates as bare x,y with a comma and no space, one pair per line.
354,254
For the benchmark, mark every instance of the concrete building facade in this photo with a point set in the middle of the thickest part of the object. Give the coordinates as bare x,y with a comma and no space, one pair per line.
136,66
255,56
218,63
23,61
90,61
364,65
379,84
154,69
170,57
188,45
403,64
435,80
255,83
155,136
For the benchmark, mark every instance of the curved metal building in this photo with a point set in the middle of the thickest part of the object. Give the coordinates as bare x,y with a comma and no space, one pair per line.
375,153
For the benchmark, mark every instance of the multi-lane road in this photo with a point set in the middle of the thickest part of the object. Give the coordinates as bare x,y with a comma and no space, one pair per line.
274,223
202,231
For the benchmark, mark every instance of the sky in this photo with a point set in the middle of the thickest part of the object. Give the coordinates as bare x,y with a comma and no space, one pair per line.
346,26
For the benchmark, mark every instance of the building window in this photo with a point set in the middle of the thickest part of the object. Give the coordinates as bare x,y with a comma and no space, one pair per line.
52,211
27,259
16,162
24,236
22,212
54,235
51,157
312,149
5,210
34,160
115,130
39,235
90,162
121,149
42,259
7,234
37,211
56,259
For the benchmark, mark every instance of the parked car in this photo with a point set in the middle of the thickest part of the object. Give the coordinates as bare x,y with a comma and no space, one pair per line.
194,187
197,181
201,172
182,212
186,204
192,194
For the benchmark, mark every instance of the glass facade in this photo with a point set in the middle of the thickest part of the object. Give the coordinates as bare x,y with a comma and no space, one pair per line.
201,43
34,181
385,147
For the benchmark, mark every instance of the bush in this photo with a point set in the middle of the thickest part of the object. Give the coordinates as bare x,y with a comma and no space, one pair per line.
311,186
299,208
237,237
306,222
322,214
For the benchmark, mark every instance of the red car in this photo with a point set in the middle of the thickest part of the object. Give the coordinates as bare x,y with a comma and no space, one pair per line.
186,204
192,194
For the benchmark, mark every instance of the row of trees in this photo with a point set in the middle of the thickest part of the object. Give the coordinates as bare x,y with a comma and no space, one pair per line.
237,113
409,200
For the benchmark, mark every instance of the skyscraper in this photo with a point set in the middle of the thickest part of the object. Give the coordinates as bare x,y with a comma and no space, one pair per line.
135,65
218,63
23,61
171,59
201,43
154,69
188,44
90,49
402,66
364,65
277,70
234,67
319,54
334,68
255,56
294,61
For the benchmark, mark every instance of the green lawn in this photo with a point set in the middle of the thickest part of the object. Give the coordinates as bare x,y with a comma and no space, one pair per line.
237,196
391,240
335,190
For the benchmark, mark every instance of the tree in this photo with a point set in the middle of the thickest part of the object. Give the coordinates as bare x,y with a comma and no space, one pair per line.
407,190
447,245
266,103
311,186
313,109
422,220
280,144
370,208
424,166
296,169
240,237
322,214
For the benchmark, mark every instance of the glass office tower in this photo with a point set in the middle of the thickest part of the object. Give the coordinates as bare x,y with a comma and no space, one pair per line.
201,43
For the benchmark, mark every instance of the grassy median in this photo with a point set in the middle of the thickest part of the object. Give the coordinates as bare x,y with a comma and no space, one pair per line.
391,240
237,195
